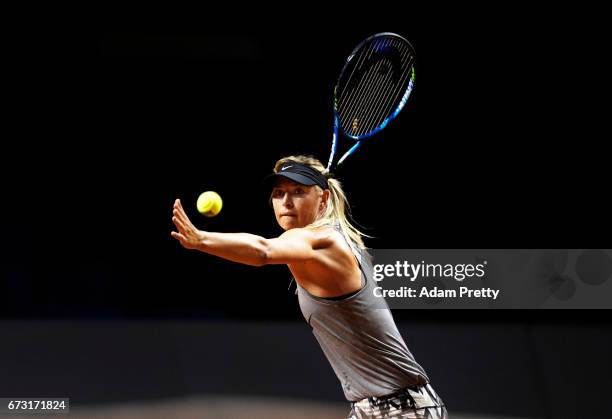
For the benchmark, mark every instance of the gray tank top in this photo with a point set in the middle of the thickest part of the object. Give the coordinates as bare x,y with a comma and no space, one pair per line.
360,339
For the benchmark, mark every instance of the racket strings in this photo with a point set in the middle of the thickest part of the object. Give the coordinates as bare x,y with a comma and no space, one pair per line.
359,93
386,98
387,105
368,103
345,100
368,122
360,59
394,96
356,115
383,83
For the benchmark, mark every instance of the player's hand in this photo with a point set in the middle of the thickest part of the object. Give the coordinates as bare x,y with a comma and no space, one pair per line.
188,235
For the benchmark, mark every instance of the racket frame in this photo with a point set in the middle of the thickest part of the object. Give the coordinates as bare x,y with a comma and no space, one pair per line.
359,138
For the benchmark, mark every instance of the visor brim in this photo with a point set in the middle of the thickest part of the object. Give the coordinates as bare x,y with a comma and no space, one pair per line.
295,177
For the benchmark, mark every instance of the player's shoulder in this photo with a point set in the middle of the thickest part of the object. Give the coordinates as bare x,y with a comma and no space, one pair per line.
320,236
325,231
311,232
327,236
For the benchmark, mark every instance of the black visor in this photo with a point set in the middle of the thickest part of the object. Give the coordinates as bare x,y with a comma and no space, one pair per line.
299,173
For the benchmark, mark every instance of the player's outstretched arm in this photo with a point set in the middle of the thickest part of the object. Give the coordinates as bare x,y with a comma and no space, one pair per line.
292,246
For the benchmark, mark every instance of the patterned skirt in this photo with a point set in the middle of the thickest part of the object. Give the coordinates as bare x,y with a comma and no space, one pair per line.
411,402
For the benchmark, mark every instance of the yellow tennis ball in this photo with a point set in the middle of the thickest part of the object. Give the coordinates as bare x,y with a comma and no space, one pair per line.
209,203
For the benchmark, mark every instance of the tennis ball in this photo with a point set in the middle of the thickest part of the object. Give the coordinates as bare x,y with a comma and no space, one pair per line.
209,203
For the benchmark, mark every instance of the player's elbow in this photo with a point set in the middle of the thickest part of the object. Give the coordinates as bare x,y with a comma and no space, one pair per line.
275,252
262,253
270,254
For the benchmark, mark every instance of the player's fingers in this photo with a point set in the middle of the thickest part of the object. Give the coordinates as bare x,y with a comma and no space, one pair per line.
178,236
177,212
185,218
179,207
179,224
182,216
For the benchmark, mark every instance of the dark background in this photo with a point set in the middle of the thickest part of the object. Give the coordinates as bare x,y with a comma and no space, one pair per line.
115,119
122,117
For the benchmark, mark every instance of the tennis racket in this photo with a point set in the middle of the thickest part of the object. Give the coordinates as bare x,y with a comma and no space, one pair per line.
372,89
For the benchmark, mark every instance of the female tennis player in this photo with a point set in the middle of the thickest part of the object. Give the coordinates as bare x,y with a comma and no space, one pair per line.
333,272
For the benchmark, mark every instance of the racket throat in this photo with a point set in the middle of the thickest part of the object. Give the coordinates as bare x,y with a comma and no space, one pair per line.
348,153
334,143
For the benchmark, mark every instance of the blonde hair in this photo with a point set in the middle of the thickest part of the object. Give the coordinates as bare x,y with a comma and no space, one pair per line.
338,211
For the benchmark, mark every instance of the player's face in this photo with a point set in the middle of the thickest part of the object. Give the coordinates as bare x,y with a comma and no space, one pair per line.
295,205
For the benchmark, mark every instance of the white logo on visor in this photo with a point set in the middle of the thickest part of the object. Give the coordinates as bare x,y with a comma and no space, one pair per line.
286,167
